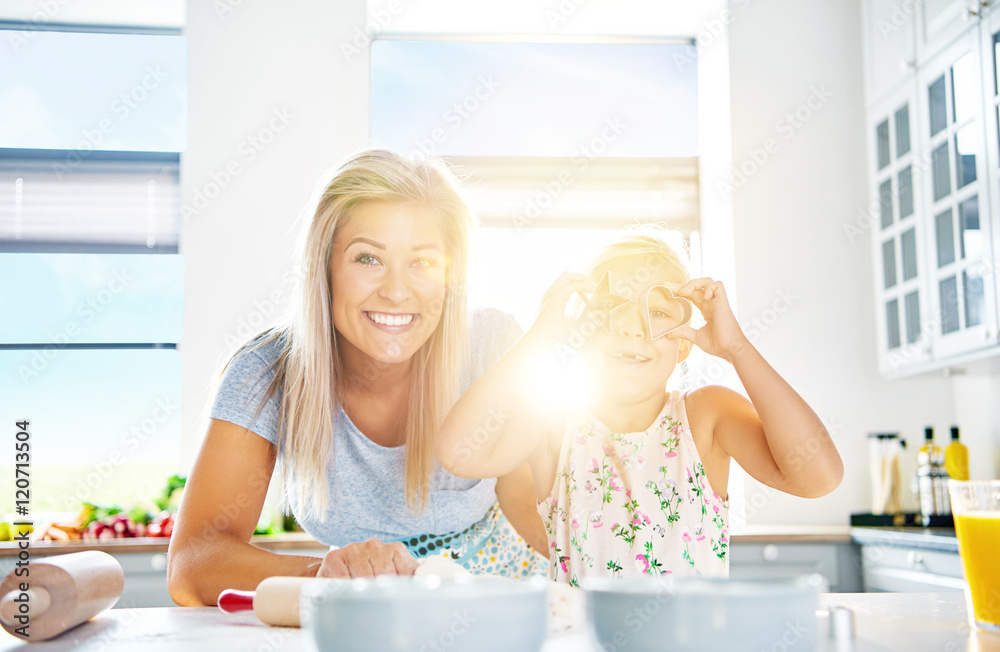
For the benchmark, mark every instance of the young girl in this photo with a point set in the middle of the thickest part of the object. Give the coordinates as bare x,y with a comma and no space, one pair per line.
635,481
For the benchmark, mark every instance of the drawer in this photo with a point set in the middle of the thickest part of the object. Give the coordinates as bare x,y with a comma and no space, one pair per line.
913,559
784,560
911,570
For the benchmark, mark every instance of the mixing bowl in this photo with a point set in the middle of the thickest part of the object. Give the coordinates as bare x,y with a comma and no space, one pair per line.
426,614
703,615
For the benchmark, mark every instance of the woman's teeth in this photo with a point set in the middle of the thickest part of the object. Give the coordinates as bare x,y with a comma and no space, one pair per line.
385,319
630,356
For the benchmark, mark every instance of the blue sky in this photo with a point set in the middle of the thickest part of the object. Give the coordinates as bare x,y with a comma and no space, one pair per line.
109,91
534,99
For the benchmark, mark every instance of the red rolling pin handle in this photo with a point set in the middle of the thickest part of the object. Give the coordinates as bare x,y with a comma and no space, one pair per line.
232,601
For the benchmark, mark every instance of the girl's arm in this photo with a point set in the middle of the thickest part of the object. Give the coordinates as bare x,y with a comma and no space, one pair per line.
516,495
776,437
494,427
210,546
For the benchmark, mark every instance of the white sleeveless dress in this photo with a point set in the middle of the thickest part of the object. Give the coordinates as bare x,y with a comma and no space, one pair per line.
634,503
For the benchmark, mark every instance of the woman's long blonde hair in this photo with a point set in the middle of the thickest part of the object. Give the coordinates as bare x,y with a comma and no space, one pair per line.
309,369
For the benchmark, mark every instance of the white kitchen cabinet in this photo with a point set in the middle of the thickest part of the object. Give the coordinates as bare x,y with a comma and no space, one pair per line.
963,300
898,233
839,563
934,171
910,570
939,22
888,32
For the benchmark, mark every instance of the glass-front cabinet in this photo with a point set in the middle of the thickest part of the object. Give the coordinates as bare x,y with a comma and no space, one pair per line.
898,233
934,163
962,296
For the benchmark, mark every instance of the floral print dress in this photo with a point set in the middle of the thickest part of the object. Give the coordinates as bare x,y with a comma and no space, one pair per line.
634,503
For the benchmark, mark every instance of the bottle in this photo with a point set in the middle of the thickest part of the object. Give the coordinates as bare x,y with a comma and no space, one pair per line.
931,480
956,457
929,454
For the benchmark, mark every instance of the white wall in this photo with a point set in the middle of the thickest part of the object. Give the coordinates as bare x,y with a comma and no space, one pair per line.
253,60
789,238
262,72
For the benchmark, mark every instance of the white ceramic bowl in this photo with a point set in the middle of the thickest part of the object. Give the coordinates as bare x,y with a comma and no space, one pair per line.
413,614
703,615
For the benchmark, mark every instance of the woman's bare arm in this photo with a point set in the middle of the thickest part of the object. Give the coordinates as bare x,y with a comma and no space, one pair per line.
210,547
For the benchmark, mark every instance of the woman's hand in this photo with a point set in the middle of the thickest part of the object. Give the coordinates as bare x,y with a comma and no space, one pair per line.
552,325
721,335
368,559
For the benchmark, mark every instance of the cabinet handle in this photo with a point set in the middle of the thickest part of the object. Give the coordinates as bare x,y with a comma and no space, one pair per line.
770,552
158,562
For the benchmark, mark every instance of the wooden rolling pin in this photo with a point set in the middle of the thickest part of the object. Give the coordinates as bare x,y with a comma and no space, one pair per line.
58,593
276,600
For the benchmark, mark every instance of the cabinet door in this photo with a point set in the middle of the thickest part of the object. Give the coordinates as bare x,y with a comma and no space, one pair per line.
890,55
990,43
940,22
897,232
953,187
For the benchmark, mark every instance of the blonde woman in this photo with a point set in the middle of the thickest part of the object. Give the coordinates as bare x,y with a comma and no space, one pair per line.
347,398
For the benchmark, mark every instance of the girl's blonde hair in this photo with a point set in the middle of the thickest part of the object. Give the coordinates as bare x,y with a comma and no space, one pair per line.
658,258
309,370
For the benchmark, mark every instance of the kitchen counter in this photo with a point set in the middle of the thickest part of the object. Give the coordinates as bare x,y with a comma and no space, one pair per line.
939,539
792,534
884,622
275,542
301,540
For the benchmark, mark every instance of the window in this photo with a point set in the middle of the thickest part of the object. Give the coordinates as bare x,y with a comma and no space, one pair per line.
561,145
92,280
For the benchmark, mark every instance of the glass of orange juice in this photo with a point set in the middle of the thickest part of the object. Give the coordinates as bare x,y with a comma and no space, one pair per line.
976,507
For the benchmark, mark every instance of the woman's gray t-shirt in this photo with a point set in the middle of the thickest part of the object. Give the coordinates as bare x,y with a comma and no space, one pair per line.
365,480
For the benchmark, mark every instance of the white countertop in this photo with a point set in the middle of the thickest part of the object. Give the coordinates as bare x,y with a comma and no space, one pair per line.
885,621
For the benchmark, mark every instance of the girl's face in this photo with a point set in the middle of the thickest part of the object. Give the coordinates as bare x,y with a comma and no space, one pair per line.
627,365
388,276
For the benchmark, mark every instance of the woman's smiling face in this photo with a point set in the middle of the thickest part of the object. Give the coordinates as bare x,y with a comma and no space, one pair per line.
388,277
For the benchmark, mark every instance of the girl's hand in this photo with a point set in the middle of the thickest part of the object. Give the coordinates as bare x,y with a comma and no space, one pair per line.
721,335
552,324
